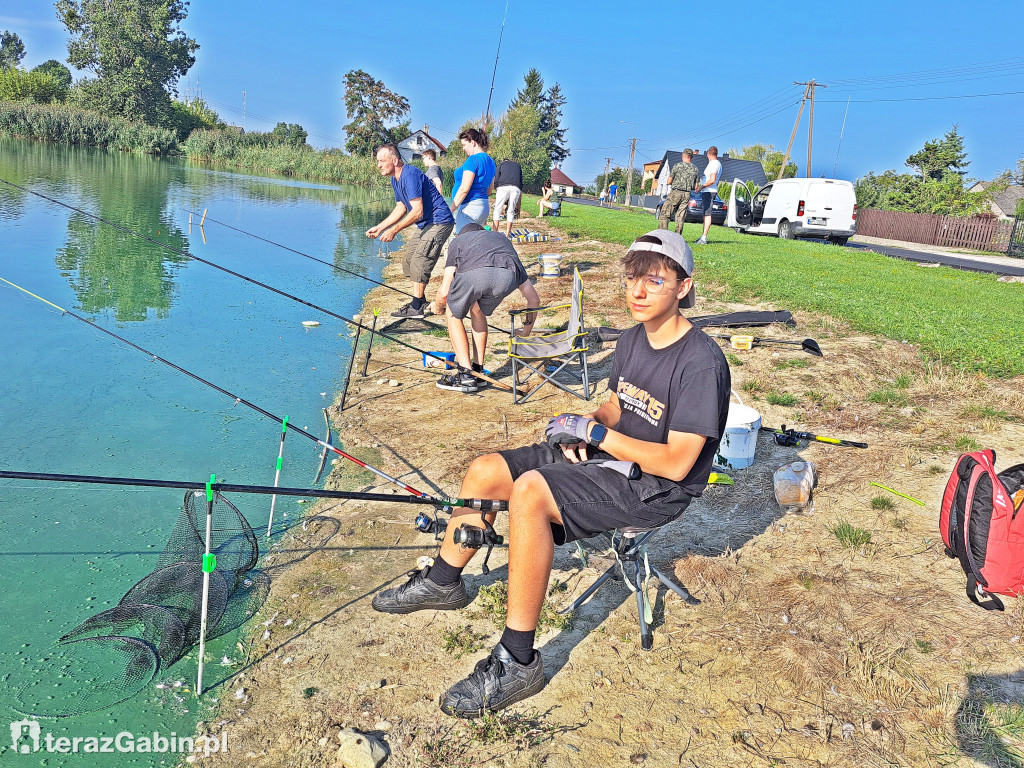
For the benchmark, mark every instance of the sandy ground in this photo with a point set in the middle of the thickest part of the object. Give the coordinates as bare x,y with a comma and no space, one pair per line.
805,650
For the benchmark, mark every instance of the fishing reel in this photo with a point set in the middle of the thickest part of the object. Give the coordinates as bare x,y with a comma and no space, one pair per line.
432,524
786,437
472,537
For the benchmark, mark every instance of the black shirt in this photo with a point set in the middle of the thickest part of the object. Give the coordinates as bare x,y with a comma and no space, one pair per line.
484,248
510,174
683,388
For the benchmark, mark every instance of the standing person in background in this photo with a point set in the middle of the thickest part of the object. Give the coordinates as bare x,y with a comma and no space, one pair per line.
604,196
612,189
508,184
473,180
417,202
434,172
682,180
708,188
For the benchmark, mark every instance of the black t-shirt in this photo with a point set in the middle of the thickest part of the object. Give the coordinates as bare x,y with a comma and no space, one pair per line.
510,174
683,388
484,248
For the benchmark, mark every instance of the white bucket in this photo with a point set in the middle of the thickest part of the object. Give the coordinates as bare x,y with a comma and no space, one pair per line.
736,451
550,264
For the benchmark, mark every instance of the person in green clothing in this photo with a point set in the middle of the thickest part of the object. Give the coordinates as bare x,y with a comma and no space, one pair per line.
681,180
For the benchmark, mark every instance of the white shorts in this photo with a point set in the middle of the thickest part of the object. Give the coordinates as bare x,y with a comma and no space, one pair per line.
510,196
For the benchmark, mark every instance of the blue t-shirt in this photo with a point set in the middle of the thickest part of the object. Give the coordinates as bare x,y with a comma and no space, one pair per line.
483,169
414,184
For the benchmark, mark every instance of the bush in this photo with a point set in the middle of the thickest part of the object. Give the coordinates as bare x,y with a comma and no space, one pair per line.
35,86
64,124
266,152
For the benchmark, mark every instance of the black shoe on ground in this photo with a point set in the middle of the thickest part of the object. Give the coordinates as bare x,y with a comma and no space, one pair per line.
497,682
409,311
459,382
420,594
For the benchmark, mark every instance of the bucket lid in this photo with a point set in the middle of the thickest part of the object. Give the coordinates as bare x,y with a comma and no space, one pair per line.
741,416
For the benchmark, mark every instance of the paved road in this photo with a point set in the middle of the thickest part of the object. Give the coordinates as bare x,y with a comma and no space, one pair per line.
973,264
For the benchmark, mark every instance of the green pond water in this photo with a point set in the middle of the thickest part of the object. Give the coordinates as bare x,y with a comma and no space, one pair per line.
73,400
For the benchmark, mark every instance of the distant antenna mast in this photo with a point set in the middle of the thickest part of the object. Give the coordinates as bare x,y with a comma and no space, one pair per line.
841,132
487,112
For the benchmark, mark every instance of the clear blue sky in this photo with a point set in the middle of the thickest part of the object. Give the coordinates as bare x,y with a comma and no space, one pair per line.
683,75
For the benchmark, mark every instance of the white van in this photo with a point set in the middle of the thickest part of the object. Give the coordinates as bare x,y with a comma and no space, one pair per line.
796,208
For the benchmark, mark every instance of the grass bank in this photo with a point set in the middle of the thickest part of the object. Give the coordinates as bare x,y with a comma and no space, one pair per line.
257,152
961,318
63,124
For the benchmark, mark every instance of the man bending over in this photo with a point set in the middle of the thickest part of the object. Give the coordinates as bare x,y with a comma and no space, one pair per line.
482,269
666,412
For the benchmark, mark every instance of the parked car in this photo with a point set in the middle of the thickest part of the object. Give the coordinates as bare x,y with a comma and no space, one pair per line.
790,208
694,213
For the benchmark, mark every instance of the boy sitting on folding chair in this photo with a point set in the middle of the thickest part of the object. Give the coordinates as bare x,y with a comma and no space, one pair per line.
666,413
482,270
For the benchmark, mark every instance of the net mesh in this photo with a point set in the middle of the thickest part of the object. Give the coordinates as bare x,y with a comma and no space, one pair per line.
113,655
86,675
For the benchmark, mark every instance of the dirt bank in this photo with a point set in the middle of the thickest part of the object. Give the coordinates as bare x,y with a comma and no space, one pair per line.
812,646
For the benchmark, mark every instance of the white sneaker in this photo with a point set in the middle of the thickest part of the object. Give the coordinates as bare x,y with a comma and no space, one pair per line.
702,241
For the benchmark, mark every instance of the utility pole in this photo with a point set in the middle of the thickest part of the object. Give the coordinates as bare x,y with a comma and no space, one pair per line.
632,152
243,111
808,94
607,167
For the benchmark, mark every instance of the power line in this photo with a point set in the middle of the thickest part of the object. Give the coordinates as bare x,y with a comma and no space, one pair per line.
929,98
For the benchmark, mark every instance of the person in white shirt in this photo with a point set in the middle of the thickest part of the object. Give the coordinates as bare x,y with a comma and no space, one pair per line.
708,188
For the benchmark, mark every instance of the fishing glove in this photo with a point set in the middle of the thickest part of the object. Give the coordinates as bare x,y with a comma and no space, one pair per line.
567,429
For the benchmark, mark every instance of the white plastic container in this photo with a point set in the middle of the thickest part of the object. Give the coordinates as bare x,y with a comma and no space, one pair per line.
550,264
736,451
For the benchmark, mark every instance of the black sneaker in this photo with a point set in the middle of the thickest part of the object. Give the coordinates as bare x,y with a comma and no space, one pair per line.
409,311
459,382
419,594
497,682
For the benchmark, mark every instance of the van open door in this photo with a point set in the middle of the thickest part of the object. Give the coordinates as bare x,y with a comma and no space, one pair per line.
739,215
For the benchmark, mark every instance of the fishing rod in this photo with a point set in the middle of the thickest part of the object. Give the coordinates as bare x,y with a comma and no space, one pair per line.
186,254
746,342
486,505
319,261
445,501
792,437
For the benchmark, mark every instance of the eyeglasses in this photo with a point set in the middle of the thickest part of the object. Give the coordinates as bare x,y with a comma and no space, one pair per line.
653,284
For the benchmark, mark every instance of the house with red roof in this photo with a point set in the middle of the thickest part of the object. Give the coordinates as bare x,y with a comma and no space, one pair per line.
561,183
412,148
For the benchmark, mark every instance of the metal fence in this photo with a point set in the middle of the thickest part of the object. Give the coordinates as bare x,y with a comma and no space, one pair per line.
975,233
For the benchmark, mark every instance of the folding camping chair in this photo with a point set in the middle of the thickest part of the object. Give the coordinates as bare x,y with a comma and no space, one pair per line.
633,566
553,356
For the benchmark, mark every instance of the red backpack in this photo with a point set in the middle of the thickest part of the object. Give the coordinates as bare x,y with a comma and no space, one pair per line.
981,528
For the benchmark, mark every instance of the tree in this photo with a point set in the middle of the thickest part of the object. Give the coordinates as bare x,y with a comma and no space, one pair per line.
618,175
292,134
12,50
769,158
135,48
893,191
551,123
371,107
940,156
520,137
549,103
57,70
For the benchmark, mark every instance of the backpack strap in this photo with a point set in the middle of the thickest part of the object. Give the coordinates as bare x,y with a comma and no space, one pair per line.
976,594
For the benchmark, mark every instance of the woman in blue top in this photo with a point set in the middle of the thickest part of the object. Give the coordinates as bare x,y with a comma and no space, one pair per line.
473,180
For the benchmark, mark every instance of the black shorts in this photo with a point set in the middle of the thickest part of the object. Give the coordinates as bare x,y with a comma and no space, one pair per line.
592,499
707,200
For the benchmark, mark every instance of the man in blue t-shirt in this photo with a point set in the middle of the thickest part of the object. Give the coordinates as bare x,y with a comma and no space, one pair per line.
418,202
